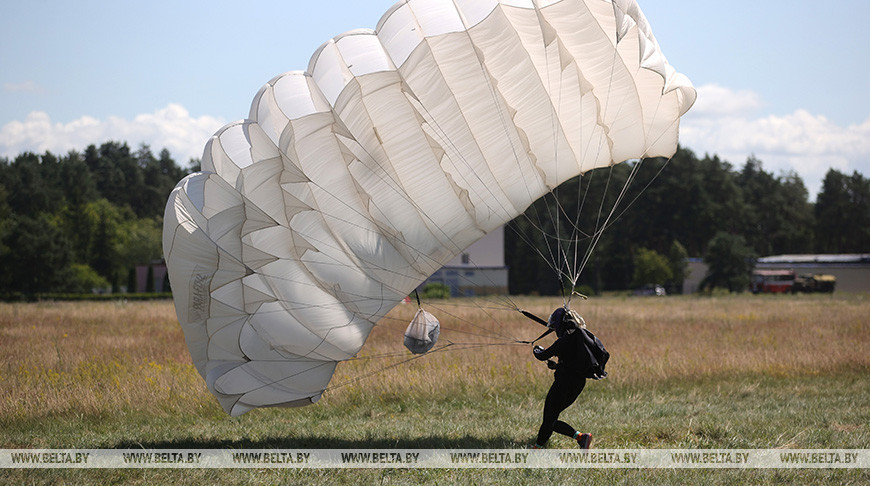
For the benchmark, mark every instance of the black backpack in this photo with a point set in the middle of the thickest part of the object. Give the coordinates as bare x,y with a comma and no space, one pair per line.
598,356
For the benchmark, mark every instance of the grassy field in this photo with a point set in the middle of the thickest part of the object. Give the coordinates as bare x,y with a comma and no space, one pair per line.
686,372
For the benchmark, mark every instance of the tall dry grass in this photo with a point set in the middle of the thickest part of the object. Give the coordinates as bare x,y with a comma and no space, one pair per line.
88,358
650,340
91,358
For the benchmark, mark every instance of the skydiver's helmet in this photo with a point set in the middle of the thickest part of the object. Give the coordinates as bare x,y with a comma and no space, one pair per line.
565,321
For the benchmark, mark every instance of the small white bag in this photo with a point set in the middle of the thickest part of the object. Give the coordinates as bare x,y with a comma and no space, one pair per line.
422,332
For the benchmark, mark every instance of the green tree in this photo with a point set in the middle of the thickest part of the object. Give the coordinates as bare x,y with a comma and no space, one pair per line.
132,286
650,268
729,260
843,214
779,216
795,233
686,199
104,222
83,279
33,186
104,207
149,280
679,265
137,242
39,258
434,290
79,186
5,226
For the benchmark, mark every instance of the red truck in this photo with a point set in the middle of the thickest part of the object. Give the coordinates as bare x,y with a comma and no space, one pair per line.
772,281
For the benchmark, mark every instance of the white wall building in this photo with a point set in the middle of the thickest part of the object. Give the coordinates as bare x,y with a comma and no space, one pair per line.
479,270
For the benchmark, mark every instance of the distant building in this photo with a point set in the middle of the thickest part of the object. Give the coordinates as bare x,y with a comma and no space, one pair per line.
159,280
479,270
697,271
852,271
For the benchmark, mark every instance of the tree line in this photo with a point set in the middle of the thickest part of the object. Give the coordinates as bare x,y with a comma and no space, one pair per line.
82,221
85,220
687,206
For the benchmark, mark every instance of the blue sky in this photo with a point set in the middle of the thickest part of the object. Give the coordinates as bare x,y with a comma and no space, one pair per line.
786,80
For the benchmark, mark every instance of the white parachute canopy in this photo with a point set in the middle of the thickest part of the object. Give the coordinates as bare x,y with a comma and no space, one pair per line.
352,182
422,332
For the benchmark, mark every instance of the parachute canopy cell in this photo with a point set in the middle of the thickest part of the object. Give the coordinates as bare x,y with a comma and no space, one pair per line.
352,182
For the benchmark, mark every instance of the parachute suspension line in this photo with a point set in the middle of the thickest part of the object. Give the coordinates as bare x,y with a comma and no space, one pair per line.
573,240
505,126
607,221
554,129
600,228
575,274
434,123
505,301
385,368
560,261
450,346
596,235
610,220
471,323
640,193
581,202
488,333
560,264
629,180
657,174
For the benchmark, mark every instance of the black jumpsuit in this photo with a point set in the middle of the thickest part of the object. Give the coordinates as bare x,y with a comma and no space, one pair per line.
569,380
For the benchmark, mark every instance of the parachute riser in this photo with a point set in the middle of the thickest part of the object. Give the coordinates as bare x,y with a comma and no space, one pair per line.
539,321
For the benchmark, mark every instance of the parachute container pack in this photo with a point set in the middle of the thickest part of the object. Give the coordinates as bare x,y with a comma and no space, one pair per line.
352,182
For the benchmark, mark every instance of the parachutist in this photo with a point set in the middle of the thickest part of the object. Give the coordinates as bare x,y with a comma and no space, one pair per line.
576,362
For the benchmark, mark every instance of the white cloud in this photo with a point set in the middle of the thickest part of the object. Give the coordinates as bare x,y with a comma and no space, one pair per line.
806,143
723,122
23,87
714,100
172,128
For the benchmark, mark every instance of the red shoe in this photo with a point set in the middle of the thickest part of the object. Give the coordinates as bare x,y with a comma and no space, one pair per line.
585,441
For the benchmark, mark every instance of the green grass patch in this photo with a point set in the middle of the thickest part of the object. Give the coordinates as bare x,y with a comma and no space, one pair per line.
742,411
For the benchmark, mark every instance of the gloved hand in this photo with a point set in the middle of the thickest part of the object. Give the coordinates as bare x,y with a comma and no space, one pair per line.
551,364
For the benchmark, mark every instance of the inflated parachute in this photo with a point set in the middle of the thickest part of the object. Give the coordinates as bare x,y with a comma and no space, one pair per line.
352,182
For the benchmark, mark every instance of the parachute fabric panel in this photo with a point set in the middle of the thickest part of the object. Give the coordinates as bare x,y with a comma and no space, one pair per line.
352,182
422,332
